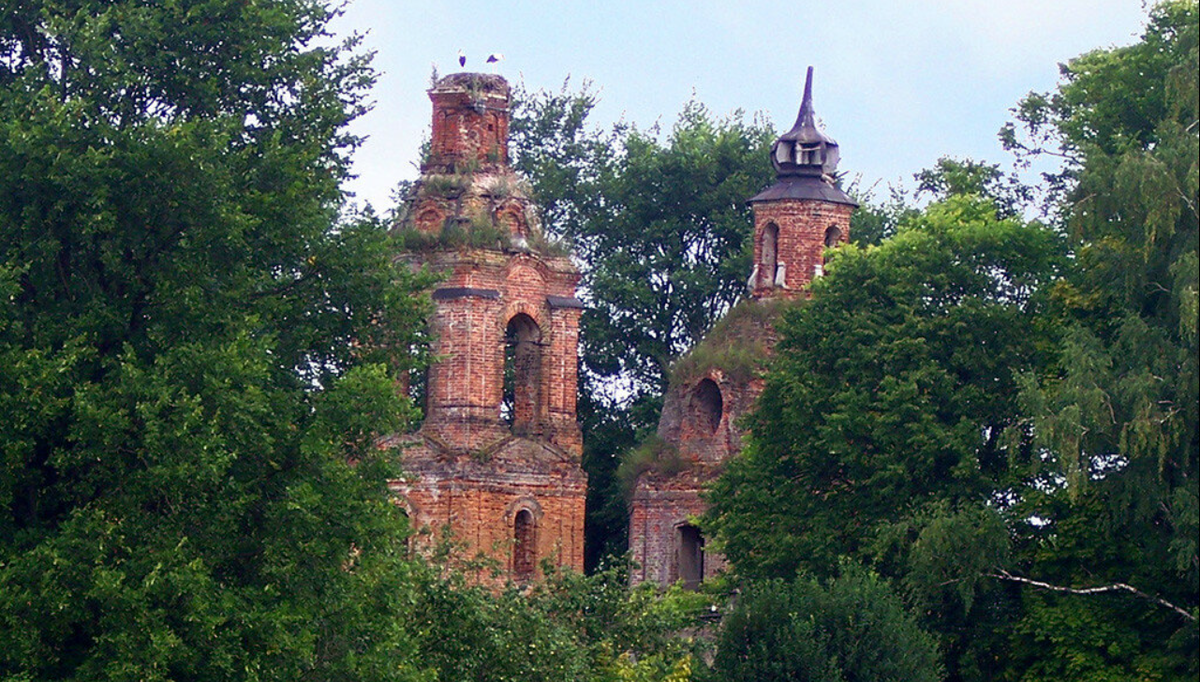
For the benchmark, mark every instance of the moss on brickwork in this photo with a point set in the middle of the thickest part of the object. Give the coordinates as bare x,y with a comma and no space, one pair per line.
653,455
737,345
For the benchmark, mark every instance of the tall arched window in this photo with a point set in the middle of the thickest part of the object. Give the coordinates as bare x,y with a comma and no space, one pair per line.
770,254
522,373
524,548
707,406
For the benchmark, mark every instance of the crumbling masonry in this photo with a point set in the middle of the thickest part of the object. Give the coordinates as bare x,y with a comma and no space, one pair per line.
495,465
496,461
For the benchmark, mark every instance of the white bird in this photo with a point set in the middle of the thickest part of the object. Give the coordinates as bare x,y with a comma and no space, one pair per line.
495,57
462,59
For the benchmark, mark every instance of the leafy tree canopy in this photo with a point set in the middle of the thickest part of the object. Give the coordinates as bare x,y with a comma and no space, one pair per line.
1119,408
853,627
192,350
893,388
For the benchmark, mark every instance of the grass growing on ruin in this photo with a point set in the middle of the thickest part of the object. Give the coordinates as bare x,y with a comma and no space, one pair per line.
654,454
737,344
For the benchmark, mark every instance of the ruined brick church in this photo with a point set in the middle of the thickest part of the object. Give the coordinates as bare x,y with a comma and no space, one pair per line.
795,221
496,462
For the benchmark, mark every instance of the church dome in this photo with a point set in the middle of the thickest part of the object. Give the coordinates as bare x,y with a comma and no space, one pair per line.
805,150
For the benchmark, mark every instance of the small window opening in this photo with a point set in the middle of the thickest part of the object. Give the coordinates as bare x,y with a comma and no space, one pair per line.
832,236
707,405
808,155
522,373
770,254
782,150
524,552
691,556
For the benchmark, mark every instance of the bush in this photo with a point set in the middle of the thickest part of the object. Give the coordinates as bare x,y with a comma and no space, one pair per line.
853,628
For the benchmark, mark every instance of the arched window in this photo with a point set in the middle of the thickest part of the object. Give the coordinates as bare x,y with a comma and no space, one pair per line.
832,236
524,548
522,373
770,254
707,406
690,556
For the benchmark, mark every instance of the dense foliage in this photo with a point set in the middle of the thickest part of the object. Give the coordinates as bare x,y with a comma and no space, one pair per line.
570,627
1001,417
1119,407
192,350
893,390
980,428
661,228
852,627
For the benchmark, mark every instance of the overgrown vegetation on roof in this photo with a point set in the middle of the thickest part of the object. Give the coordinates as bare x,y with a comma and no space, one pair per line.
737,344
654,454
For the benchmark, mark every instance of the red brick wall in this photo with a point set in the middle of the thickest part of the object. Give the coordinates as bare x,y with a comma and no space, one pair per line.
466,384
466,470
478,497
661,503
802,226
470,122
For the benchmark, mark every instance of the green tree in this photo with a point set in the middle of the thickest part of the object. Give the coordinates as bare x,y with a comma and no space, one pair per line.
659,225
592,628
1119,410
853,627
952,177
892,410
193,351
667,253
893,388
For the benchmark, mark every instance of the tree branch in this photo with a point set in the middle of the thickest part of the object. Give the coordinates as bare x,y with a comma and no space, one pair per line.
1115,587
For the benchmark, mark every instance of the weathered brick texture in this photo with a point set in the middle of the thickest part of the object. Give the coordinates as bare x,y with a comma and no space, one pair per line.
470,123
503,478
803,229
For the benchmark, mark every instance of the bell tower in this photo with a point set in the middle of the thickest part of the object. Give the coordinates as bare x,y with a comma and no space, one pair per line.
802,214
496,460
795,220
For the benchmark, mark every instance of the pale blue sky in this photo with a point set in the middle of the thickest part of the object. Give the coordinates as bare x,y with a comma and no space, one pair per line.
897,84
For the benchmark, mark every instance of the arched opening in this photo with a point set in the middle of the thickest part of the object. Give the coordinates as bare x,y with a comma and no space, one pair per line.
770,254
832,236
524,549
707,406
429,221
522,373
809,154
510,221
690,557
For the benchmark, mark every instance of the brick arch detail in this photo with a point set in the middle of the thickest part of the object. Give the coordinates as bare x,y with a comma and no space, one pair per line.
527,503
516,209
531,262
535,313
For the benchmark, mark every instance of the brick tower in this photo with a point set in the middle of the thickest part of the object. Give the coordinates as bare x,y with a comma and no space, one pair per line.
795,220
496,461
